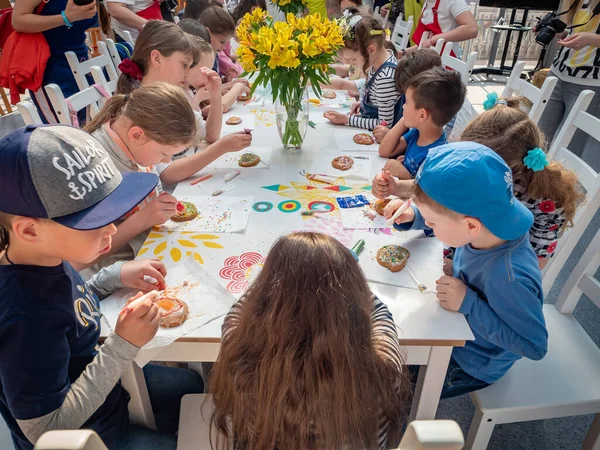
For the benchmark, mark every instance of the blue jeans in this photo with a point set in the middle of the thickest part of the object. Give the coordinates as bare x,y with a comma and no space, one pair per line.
457,381
166,387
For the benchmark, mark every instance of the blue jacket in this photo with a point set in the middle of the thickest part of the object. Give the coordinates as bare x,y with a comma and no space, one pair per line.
503,305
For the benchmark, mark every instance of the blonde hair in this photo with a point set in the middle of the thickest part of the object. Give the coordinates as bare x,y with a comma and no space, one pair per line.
511,133
161,110
579,3
159,35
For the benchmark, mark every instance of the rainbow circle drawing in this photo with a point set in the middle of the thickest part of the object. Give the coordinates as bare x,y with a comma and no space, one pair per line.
262,206
289,206
321,207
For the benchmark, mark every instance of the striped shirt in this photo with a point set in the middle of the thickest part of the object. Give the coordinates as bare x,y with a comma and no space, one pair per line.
385,341
382,94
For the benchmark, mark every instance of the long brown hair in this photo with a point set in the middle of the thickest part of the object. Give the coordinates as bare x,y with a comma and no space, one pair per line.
104,19
218,21
163,36
359,37
161,110
511,133
300,370
245,6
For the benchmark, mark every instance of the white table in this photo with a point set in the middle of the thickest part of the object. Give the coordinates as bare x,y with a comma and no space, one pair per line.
427,331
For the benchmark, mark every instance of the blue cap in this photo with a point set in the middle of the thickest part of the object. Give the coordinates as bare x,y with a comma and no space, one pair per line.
471,179
64,174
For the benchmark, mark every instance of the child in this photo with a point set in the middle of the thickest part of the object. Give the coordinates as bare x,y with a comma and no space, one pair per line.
464,192
198,72
138,140
332,380
221,27
247,6
61,195
547,189
432,99
364,46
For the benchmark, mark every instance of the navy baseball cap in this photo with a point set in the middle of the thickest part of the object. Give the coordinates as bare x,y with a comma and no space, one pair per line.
473,180
62,173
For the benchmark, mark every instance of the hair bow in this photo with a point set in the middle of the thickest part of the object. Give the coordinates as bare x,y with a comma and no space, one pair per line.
535,159
492,100
130,68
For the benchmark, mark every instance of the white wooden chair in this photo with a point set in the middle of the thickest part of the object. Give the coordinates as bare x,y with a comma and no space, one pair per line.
109,86
70,440
588,178
538,96
401,33
66,108
29,112
464,68
196,410
565,383
439,44
108,47
81,69
127,36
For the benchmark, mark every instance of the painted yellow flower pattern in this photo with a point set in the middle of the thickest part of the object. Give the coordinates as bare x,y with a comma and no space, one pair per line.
173,246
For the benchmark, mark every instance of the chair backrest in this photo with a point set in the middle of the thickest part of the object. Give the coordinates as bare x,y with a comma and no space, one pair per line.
70,440
5,102
127,36
582,281
464,68
108,47
401,33
29,112
109,86
589,179
439,44
87,98
538,97
81,69
432,434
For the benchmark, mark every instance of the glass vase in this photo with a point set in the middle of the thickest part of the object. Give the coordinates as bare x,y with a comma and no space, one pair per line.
292,119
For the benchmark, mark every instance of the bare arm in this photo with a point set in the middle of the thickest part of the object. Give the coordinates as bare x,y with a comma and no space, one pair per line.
120,12
341,70
231,96
341,85
466,29
214,121
393,144
25,20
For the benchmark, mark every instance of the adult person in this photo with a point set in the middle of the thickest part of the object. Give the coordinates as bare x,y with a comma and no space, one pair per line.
451,20
132,15
64,24
577,67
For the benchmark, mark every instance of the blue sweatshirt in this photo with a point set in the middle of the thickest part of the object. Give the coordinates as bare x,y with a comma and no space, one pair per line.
503,305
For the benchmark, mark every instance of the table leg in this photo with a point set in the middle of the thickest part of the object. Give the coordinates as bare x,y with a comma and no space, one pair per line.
140,408
429,384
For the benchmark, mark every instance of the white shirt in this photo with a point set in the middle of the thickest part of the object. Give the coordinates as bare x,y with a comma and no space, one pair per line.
134,6
448,11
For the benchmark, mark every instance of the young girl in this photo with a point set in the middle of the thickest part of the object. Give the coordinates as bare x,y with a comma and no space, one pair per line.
207,59
221,27
139,139
309,357
164,52
364,46
547,189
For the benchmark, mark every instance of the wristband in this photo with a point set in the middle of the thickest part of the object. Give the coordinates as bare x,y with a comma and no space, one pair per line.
67,23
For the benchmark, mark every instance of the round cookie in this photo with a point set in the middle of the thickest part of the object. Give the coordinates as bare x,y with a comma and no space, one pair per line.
243,97
329,94
393,257
233,120
364,139
248,160
173,311
380,205
342,163
189,212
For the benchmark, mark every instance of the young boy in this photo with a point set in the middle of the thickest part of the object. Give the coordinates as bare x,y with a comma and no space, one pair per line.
60,195
432,99
464,193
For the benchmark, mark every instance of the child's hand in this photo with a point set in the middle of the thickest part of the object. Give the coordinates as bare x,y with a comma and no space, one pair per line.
159,210
138,322
241,88
394,166
235,141
213,82
201,95
355,108
450,292
407,216
379,132
447,268
133,273
381,185
243,81
336,118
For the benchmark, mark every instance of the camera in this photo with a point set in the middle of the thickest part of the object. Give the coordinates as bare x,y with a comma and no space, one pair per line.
547,27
